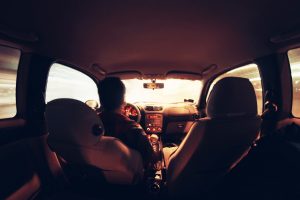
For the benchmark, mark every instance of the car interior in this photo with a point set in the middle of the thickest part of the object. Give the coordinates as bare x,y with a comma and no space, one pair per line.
214,85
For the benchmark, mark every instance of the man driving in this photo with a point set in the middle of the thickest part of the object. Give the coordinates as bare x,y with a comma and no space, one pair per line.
112,93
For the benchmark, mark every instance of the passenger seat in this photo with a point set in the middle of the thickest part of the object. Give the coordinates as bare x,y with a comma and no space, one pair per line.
215,144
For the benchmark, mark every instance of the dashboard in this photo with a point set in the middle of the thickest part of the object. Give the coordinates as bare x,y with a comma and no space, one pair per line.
171,121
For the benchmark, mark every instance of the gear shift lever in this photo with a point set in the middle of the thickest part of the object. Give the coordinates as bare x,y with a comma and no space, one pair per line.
154,140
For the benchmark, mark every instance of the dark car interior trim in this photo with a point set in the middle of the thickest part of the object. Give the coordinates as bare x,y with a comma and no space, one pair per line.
156,39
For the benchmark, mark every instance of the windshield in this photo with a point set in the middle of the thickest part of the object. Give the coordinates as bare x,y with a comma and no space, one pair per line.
174,91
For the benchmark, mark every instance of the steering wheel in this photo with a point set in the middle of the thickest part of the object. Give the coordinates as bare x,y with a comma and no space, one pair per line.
132,111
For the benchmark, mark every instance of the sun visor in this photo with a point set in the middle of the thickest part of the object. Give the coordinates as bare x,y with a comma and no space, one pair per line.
130,74
183,75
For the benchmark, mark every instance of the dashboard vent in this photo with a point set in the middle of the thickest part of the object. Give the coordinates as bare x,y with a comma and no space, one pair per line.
153,108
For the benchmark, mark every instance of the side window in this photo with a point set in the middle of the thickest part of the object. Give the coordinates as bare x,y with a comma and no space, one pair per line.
65,82
294,57
250,72
9,62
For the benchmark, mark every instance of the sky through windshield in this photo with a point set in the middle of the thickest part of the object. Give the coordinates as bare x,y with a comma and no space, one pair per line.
175,90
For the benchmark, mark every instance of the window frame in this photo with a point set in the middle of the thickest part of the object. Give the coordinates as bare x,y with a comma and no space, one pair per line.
207,85
17,79
74,67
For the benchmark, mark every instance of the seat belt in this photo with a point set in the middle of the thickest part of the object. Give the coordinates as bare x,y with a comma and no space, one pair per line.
269,116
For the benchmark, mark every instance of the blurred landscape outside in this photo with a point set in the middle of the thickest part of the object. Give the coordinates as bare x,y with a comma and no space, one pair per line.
294,57
9,61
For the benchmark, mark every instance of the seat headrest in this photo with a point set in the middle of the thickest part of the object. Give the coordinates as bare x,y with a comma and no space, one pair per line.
232,96
72,121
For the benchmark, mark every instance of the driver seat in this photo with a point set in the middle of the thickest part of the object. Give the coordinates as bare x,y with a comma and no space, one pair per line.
76,135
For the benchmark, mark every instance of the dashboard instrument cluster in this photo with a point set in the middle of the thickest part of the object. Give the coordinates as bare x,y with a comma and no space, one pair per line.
129,110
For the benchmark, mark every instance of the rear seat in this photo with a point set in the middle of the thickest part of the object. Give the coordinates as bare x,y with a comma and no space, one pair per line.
65,195
270,171
29,170
19,178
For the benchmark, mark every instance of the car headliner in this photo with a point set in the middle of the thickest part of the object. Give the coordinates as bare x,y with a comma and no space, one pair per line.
153,36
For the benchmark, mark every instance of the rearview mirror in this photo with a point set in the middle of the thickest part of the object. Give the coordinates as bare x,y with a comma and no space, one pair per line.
153,86
92,104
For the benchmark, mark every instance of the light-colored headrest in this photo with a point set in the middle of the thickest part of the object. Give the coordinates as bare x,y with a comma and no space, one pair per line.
72,121
230,97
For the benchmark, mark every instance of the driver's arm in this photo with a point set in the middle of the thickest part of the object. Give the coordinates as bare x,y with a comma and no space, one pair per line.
136,138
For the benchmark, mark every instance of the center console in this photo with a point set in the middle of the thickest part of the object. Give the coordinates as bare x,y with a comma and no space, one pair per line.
153,127
153,123
157,177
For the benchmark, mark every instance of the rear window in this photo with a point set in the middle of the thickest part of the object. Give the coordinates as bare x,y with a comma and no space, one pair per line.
250,72
294,57
9,62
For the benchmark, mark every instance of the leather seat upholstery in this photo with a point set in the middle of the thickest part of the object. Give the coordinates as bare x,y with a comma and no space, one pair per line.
76,135
215,144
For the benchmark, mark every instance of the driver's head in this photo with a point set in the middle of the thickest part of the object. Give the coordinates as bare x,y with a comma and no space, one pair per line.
111,92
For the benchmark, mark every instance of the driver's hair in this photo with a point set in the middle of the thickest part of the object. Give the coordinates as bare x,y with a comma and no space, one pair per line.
111,92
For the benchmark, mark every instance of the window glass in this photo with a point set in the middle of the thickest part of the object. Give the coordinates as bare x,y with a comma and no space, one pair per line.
294,57
9,62
174,91
65,82
250,72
